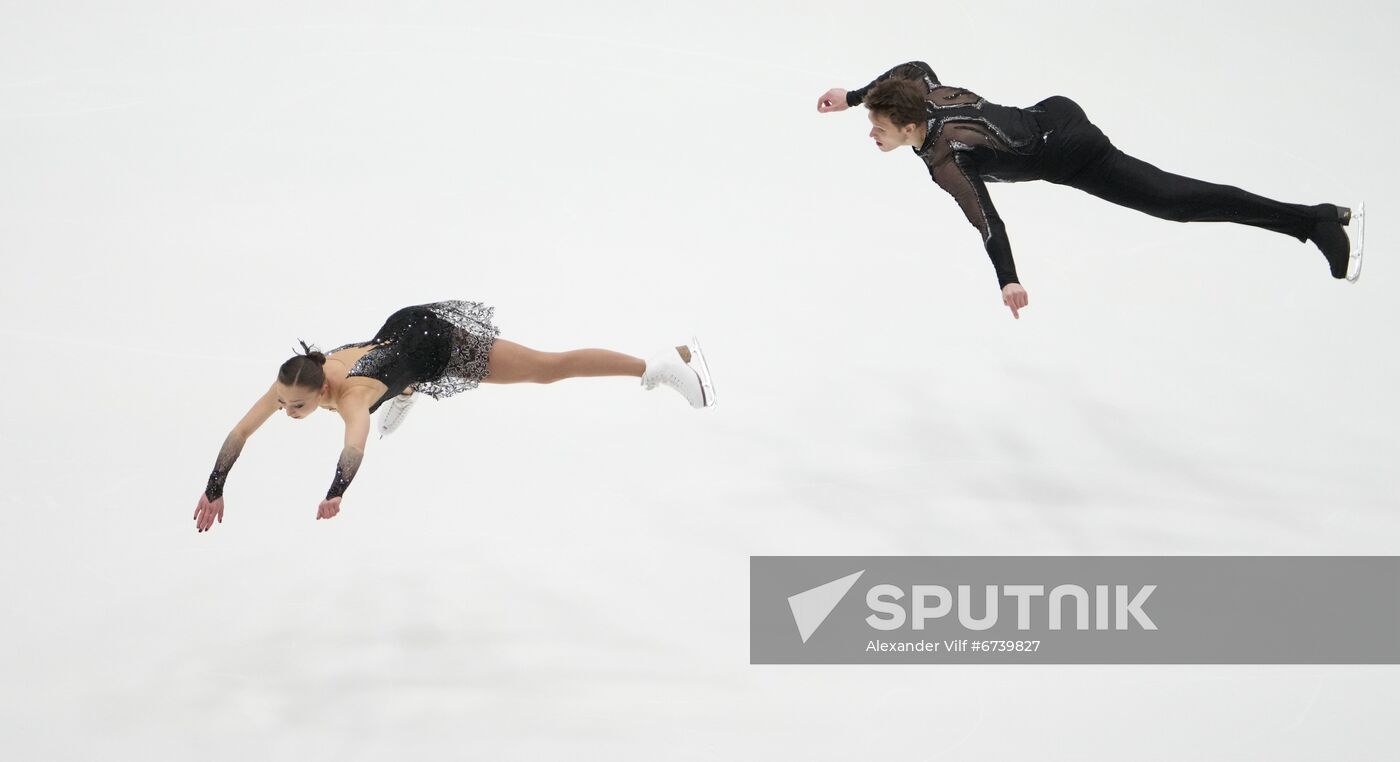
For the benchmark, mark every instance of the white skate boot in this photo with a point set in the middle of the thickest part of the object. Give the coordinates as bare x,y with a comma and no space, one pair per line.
683,369
393,414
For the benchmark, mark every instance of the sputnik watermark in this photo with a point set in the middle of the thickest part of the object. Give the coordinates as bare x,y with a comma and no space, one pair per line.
885,602
1049,609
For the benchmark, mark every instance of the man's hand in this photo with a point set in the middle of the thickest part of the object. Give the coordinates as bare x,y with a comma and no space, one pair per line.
832,100
328,508
207,512
1014,296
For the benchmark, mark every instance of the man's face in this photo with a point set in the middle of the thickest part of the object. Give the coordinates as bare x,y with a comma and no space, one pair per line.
886,135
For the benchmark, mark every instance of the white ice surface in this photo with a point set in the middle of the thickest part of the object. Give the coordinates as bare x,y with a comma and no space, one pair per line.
561,572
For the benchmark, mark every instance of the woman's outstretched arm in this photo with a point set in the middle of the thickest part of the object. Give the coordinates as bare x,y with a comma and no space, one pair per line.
354,410
211,503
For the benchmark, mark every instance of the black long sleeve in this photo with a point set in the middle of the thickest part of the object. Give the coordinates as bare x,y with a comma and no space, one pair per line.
957,174
345,470
914,70
967,136
233,445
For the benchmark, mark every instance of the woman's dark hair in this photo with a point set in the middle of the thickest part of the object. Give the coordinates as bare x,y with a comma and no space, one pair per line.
899,100
304,370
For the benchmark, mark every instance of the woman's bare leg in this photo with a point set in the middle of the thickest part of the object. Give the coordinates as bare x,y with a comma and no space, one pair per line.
512,363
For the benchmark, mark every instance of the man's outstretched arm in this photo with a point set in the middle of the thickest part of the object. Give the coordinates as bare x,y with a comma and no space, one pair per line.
838,99
915,71
958,175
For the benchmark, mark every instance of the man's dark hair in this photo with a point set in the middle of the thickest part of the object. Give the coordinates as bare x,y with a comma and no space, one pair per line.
899,100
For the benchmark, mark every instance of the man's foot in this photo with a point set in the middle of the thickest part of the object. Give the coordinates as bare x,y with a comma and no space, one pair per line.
1329,236
391,416
683,369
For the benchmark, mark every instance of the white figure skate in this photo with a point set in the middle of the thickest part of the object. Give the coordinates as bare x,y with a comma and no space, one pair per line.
682,369
393,414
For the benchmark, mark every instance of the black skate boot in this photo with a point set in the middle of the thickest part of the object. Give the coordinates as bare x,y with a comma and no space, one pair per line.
1335,244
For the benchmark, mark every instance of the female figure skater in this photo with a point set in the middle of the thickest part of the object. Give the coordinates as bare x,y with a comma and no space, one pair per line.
437,349
967,141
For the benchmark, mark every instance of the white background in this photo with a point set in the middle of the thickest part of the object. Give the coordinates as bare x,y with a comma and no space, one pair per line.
561,572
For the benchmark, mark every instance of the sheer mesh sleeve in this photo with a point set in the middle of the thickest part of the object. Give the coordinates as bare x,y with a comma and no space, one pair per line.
914,70
233,445
345,470
956,173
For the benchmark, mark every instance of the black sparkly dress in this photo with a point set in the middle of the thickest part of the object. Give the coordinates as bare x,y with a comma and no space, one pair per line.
439,349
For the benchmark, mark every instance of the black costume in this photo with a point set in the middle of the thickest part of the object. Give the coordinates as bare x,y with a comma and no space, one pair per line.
439,349
972,141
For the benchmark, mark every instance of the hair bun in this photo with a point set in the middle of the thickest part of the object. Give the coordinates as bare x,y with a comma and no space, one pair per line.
312,354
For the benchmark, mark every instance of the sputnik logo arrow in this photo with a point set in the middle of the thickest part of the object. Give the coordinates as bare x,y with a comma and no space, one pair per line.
811,607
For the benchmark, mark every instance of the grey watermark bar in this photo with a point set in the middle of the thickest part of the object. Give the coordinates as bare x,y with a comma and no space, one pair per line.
1074,610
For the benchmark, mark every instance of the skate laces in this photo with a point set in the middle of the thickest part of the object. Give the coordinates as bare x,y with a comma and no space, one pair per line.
664,378
667,374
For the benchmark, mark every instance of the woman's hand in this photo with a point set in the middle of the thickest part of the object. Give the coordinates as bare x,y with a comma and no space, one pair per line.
328,508
1014,296
832,100
207,512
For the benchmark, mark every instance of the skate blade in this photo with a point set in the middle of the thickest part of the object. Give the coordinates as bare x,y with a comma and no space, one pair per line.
1358,249
702,369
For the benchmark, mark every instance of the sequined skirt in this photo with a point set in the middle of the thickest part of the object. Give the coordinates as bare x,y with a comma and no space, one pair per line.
471,335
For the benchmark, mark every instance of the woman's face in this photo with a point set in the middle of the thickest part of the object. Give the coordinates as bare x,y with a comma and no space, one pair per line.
298,401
